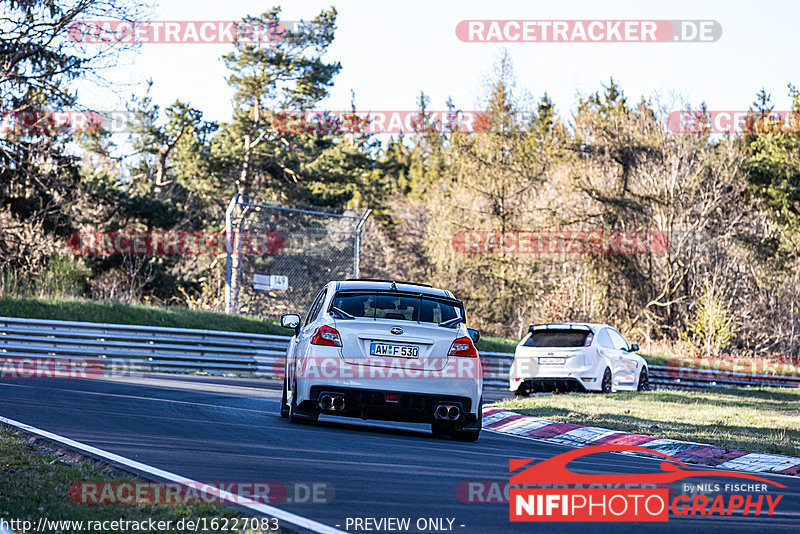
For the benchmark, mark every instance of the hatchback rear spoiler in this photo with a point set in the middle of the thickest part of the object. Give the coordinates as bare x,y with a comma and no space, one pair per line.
561,326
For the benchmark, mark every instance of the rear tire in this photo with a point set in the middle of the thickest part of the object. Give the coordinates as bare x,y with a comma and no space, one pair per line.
284,406
459,434
605,385
298,416
644,380
466,435
441,430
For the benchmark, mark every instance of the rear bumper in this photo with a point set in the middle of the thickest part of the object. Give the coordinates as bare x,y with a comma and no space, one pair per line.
563,378
409,407
559,384
456,380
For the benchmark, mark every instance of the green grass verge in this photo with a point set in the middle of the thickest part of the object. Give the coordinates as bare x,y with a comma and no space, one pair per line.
755,420
656,359
34,484
118,313
496,344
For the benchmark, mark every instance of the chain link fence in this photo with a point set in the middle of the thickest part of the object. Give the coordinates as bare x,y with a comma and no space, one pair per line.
279,256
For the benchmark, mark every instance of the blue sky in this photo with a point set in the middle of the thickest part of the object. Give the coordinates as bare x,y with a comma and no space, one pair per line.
391,50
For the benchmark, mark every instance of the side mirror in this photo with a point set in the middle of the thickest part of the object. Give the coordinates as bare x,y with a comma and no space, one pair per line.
634,348
474,334
292,321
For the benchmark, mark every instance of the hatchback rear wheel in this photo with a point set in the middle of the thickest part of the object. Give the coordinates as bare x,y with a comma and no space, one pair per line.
644,380
605,385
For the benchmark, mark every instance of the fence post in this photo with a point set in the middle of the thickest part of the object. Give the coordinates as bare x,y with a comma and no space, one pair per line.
229,249
357,255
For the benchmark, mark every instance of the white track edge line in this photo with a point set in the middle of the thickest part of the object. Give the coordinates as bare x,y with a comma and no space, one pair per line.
232,498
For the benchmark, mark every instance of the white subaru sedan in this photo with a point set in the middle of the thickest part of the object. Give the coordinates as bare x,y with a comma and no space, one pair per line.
380,349
576,357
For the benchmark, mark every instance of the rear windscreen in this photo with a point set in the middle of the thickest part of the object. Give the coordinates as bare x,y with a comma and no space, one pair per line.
396,307
557,338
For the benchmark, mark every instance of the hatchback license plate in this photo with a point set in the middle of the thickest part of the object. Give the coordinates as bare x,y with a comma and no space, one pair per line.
552,361
384,349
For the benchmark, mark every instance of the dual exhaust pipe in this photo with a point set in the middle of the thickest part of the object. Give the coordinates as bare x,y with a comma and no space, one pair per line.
331,402
447,412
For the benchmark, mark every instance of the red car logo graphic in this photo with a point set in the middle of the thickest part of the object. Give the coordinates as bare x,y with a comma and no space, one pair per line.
554,470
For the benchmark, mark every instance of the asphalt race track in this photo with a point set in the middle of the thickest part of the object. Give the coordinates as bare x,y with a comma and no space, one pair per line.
215,429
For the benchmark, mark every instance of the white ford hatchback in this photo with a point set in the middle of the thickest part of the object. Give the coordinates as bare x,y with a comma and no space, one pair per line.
576,357
379,349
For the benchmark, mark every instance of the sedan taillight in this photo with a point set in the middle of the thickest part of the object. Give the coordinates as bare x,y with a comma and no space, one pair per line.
463,347
325,335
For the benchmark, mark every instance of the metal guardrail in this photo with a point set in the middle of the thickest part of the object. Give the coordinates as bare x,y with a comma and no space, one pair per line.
497,365
129,348
689,378
495,369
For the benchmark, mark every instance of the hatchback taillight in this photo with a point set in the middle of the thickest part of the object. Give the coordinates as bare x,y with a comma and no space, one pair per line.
325,335
463,347
589,338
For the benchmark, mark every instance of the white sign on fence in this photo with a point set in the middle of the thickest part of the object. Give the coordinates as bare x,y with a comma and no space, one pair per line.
281,283
265,282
